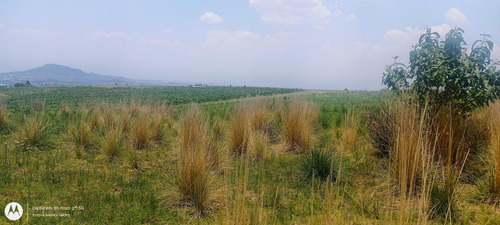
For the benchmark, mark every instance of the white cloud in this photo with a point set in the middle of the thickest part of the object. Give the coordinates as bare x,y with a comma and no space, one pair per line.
289,12
410,35
99,34
454,15
351,18
210,17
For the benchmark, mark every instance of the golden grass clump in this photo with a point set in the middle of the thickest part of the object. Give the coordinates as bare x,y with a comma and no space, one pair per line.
409,148
239,131
96,118
4,117
349,137
258,145
260,117
34,134
80,134
38,106
195,180
140,132
64,110
298,130
494,115
158,128
112,143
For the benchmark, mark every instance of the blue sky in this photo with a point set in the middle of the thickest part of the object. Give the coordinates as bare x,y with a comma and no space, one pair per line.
315,44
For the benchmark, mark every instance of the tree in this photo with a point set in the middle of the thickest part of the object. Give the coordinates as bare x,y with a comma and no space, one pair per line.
28,83
443,73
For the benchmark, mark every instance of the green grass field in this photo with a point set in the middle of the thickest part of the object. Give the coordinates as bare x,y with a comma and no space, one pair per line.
139,186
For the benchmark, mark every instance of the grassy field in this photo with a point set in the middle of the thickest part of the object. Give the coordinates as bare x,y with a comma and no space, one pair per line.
178,155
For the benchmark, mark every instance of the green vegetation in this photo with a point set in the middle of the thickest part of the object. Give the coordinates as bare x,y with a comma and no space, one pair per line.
446,73
53,97
184,164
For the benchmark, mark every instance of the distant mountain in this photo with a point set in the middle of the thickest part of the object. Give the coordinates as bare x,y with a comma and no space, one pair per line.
52,74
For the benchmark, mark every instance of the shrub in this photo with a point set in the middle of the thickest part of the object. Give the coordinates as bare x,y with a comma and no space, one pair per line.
112,143
443,74
34,134
320,164
298,128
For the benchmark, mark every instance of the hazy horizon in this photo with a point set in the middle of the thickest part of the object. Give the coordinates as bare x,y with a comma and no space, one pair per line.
310,44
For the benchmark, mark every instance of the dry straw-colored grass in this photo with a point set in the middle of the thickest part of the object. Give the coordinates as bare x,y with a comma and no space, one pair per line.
195,180
80,133
494,116
96,118
140,132
112,143
34,134
298,129
258,145
239,131
349,138
4,117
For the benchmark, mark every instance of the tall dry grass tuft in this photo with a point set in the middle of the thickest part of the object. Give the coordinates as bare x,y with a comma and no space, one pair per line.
193,131
239,131
112,143
34,134
298,130
349,137
258,145
195,180
80,134
494,115
38,106
64,110
489,185
4,118
96,118
140,132
412,151
260,117
158,128
409,147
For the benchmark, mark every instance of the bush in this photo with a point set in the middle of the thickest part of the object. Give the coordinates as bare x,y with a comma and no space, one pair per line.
320,164
444,75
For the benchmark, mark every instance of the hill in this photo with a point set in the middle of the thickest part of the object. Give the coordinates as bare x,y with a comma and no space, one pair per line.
53,74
